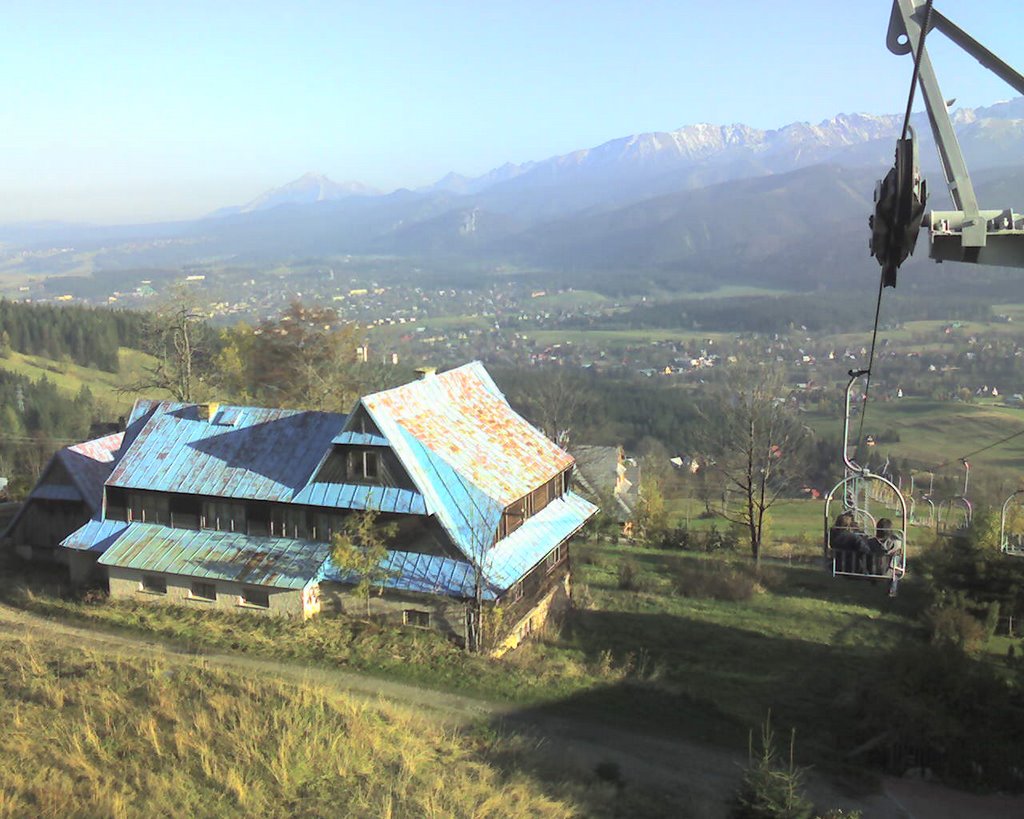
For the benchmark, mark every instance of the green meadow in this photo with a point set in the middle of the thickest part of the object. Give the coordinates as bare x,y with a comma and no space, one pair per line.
71,378
934,432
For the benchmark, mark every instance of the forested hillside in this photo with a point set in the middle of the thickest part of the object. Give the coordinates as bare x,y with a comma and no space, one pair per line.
88,336
36,419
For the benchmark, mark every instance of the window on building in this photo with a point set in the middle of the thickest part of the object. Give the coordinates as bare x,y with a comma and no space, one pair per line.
117,503
516,592
514,517
554,557
363,465
204,591
296,523
256,597
149,507
371,465
258,516
185,511
224,516
154,583
416,617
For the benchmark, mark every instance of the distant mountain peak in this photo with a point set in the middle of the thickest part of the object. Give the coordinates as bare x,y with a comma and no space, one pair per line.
309,188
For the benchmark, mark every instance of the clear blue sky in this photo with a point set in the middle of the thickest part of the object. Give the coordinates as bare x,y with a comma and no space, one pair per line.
144,110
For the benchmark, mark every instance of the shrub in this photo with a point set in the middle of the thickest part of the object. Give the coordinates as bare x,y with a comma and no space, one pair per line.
581,596
716,581
950,623
717,541
773,789
678,537
934,707
632,579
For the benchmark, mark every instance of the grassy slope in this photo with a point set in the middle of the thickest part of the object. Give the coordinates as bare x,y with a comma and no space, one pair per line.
653,659
71,377
84,734
932,432
791,522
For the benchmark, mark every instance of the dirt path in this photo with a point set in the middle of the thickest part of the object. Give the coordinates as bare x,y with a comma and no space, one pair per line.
699,778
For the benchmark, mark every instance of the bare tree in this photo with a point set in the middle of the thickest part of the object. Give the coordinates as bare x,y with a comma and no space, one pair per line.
173,338
557,400
754,440
307,357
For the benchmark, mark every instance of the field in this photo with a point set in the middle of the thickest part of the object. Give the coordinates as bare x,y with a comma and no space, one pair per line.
621,339
932,433
794,526
681,647
70,377
90,734
643,654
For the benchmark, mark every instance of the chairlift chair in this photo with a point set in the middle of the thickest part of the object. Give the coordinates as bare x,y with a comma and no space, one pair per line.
932,520
916,514
957,512
1011,543
854,494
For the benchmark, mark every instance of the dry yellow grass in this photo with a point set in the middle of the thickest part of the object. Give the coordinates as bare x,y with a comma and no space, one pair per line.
82,734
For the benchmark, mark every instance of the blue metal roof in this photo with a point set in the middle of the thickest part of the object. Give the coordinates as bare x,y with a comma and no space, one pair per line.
56,491
513,556
359,496
425,574
95,536
268,454
466,512
360,439
461,416
261,561
504,564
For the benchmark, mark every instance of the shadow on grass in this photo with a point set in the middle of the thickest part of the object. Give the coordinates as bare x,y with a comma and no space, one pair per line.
676,723
667,677
691,679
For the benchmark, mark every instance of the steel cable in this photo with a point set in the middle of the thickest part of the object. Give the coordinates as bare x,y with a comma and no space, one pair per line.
881,282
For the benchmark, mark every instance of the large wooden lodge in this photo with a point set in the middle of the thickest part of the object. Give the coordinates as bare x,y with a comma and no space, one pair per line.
234,507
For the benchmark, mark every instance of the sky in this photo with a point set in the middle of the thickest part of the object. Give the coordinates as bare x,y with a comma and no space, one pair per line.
142,111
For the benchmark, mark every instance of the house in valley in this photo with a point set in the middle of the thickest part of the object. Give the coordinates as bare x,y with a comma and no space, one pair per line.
224,506
606,472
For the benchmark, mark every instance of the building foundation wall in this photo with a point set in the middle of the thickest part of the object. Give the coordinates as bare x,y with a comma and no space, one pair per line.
127,584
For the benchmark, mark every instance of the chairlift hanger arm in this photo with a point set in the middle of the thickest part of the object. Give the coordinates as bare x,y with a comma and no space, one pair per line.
967,234
851,465
942,23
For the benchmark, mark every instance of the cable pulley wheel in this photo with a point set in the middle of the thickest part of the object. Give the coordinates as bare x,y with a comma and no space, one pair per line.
900,201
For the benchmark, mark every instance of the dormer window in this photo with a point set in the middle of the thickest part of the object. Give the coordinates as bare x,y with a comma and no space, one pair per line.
363,465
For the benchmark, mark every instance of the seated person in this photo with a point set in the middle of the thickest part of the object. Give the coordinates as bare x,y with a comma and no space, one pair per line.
847,540
890,542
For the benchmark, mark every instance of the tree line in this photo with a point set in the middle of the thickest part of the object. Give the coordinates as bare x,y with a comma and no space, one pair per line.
87,336
813,312
36,419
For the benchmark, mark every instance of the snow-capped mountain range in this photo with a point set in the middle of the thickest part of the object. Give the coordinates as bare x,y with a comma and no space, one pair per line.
729,203
700,154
